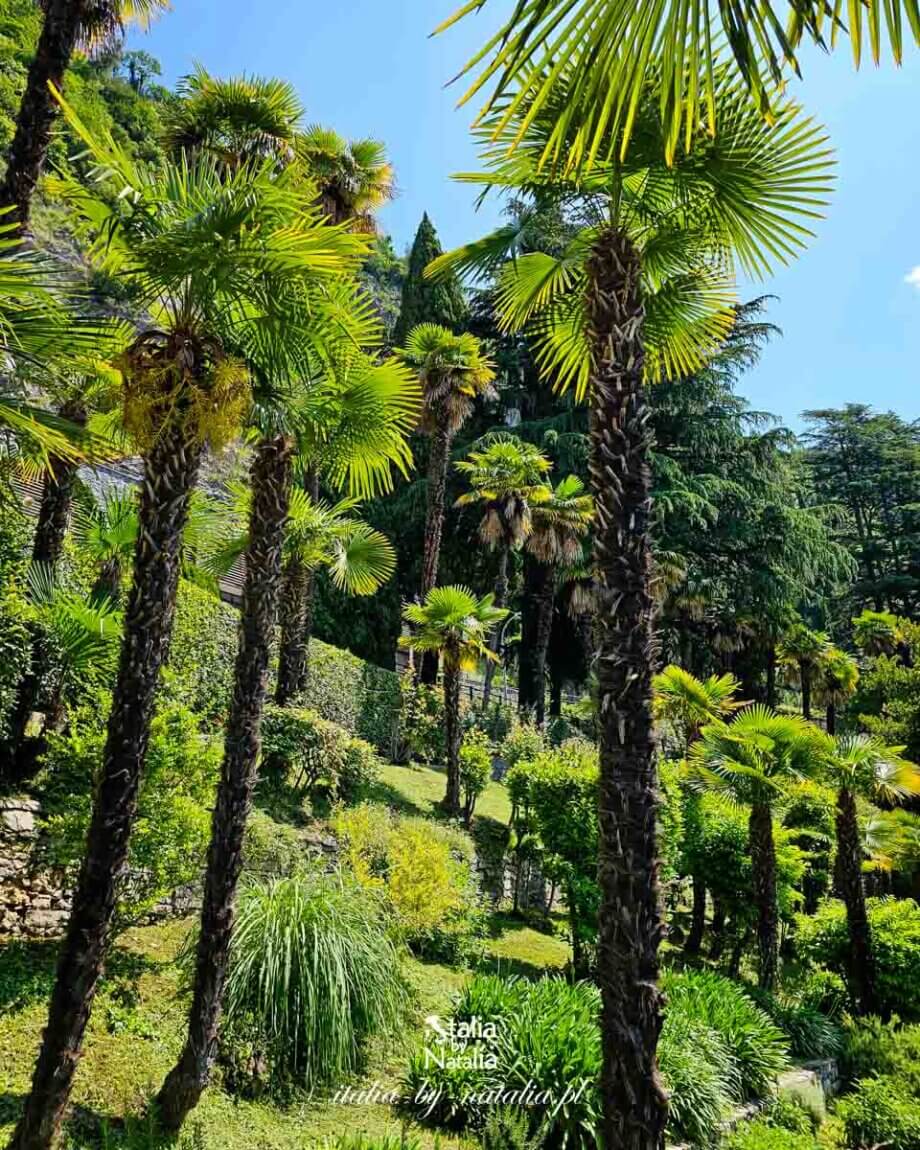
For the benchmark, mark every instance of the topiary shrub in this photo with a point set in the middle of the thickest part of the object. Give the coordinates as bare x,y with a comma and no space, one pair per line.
881,1112
314,972
824,939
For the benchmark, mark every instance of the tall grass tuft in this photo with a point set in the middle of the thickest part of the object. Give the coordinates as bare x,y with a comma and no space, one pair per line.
314,970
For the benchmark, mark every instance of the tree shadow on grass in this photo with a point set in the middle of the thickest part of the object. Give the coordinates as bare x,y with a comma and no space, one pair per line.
388,795
27,970
88,1129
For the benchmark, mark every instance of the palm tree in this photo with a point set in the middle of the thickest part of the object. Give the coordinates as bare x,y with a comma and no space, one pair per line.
506,476
553,548
687,704
353,428
881,633
105,532
354,177
752,759
216,259
453,371
838,675
67,24
616,49
644,291
801,651
862,766
456,625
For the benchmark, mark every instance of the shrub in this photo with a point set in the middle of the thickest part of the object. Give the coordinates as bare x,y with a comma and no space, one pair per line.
305,754
701,1076
508,1129
757,1045
270,849
475,768
203,651
522,742
425,870
761,1134
313,973
881,1112
170,838
890,1049
360,697
812,1033
824,940
421,721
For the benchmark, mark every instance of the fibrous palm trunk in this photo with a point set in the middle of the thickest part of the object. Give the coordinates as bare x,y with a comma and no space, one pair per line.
452,732
763,864
296,627
535,578
107,584
438,463
635,1105
495,639
849,853
170,472
37,109
271,493
805,675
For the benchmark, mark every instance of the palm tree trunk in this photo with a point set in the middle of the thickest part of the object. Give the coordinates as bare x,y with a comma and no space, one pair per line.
635,1105
271,493
849,854
527,648
544,631
37,109
170,473
694,940
438,463
831,721
771,676
57,498
296,625
107,584
805,675
717,945
763,862
495,639
452,732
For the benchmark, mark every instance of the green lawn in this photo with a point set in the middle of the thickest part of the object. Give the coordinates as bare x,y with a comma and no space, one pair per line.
417,790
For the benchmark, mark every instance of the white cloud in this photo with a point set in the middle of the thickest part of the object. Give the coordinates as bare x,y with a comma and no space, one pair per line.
913,277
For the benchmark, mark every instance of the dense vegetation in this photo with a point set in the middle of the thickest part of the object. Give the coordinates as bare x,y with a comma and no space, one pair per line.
525,727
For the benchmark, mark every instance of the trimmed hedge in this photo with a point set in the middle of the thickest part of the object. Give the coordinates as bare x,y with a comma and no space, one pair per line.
360,697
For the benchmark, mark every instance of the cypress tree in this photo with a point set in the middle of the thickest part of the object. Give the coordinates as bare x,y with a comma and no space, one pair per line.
422,300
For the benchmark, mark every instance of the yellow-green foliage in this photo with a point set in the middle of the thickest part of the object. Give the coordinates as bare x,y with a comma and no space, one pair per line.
425,871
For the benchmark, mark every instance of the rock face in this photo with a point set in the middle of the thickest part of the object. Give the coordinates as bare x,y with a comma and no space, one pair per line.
33,900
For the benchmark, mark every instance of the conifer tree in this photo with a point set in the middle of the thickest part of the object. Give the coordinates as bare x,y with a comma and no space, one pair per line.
438,301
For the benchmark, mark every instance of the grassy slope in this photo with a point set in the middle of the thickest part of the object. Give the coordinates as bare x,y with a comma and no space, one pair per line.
137,1026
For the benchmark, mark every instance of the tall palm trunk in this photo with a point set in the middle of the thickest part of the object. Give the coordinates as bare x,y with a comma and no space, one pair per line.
271,493
452,731
635,1105
544,631
296,612
831,719
495,639
57,498
805,676
37,109
849,874
763,863
535,578
438,463
170,472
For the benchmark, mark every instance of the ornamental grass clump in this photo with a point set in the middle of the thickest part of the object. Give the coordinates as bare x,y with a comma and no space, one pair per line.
314,973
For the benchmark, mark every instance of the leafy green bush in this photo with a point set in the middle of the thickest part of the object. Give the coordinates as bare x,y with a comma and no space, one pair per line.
421,722
716,1048
360,697
173,826
523,741
824,940
203,651
760,1134
475,768
314,972
306,754
425,870
890,1049
508,1129
758,1046
270,849
881,1112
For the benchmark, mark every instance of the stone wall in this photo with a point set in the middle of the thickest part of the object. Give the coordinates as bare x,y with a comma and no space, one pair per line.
33,902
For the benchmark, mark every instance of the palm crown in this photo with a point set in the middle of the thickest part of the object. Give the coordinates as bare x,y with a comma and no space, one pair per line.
612,49
742,198
560,522
453,620
757,753
452,369
354,177
507,479
689,703
864,764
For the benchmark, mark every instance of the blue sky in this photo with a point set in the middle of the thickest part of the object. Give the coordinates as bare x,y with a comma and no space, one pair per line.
850,319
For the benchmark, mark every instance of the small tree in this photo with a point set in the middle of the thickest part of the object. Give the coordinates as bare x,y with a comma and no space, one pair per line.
860,765
452,622
838,676
801,652
475,769
423,301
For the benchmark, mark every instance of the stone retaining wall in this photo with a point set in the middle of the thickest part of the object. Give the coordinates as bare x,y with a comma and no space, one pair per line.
33,901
